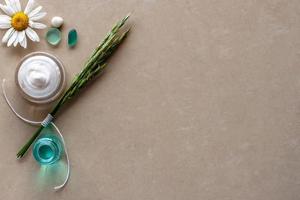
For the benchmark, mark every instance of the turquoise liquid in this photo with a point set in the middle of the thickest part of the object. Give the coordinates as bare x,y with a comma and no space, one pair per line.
47,149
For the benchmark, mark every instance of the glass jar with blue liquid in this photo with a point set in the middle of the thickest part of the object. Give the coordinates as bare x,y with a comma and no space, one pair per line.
48,148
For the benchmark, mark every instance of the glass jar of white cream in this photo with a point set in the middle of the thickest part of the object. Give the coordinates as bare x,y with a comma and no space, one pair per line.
40,77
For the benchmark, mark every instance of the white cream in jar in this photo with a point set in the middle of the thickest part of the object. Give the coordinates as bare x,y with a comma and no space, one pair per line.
40,77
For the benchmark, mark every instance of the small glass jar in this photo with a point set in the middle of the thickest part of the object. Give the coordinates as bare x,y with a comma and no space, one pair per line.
49,86
47,149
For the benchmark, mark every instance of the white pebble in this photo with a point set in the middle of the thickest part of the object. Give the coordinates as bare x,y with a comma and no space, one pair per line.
57,22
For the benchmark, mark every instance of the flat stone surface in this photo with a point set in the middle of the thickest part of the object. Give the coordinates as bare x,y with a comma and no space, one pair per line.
201,102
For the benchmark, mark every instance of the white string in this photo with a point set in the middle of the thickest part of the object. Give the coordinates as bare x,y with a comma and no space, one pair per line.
44,123
67,157
35,123
47,120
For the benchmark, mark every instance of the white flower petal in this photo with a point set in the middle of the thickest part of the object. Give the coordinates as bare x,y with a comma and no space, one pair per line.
11,4
18,5
4,26
17,39
32,35
5,22
5,18
7,35
29,6
37,25
38,16
15,4
21,36
35,11
12,38
8,3
24,42
7,10
11,9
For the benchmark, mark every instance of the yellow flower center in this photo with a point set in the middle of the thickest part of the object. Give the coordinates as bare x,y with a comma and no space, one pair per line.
20,21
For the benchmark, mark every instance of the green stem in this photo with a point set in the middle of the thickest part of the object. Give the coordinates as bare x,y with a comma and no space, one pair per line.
94,66
30,141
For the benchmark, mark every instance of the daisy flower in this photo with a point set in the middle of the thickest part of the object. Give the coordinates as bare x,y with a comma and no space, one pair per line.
20,24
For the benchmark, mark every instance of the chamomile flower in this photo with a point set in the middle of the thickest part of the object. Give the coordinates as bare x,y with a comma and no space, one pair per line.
20,24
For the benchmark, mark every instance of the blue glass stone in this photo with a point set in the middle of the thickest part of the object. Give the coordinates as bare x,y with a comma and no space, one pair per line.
53,36
72,38
47,149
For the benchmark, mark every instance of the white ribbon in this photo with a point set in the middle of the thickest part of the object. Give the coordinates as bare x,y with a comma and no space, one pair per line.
48,120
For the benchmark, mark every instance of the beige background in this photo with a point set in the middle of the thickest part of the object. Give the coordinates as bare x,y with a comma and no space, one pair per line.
201,102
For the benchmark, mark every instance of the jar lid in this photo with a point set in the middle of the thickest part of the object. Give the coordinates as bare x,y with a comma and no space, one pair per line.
40,77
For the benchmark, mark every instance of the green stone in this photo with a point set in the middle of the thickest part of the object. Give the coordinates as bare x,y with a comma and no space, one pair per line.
72,38
53,36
